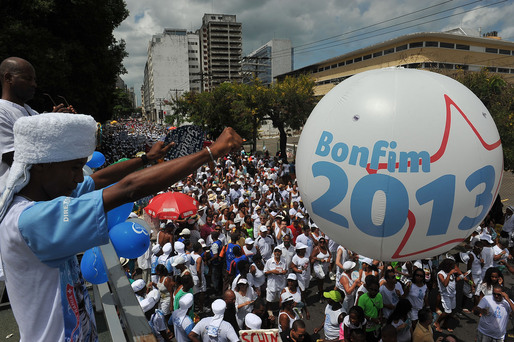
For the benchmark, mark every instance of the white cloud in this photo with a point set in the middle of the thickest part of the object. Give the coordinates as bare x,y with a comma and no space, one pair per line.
305,21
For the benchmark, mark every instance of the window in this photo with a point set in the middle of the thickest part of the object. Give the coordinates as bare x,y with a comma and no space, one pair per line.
461,67
504,52
340,64
378,54
503,70
401,48
414,65
358,59
366,57
350,61
388,51
462,47
320,69
333,66
491,50
431,44
447,45
415,45
430,65
445,66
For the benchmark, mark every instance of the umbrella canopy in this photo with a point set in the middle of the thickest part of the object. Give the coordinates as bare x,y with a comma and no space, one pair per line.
171,206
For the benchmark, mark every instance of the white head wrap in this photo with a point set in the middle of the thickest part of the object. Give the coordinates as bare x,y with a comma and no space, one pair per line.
253,322
179,247
185,302
150,300
46,138
218,308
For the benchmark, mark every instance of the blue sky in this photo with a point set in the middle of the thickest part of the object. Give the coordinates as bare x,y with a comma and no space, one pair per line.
353,24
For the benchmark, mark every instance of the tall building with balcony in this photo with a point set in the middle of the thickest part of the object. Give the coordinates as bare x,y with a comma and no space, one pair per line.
221,50
172,66
268,61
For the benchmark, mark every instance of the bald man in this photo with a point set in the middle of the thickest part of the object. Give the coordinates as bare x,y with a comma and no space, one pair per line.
18,80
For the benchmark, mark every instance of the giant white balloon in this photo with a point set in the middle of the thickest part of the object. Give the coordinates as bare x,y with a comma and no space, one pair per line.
399,164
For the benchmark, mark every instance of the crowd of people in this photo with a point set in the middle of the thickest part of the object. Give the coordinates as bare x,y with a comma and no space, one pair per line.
250,259
253,244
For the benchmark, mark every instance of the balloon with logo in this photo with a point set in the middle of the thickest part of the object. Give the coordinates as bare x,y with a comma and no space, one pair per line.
97,160
92,266
399,164
130,239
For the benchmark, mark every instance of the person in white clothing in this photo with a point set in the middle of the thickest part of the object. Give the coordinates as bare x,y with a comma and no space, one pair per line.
348,285
264,243
494,311
214,328
276,270
391,292
334,315
300,265
182,322
49,212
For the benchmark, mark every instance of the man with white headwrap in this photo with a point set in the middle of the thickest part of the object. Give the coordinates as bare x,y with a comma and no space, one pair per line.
214,328
182,323
49,212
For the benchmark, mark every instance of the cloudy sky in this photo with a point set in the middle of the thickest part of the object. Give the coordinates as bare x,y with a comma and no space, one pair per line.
318,29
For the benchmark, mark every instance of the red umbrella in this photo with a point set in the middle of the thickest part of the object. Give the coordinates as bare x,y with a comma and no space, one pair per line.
171,206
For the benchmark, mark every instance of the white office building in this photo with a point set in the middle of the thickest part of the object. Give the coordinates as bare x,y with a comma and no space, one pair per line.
268,61
172,68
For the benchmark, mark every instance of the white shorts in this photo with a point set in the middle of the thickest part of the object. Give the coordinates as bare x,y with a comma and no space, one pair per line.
273,296
448,303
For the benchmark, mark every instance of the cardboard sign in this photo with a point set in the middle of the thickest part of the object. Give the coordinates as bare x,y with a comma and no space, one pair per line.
262,335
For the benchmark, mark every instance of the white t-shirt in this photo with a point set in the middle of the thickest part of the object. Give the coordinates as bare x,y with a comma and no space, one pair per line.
450,289
158,324
390,297
276,282
304,265
416,297
226,331
497,251
9,113
331,326
494,324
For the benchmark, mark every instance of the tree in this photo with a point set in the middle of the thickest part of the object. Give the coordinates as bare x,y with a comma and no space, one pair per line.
225,106
122,104
71,46
498,96
292,101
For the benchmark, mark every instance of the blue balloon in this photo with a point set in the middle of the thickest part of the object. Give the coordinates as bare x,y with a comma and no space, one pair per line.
119,214
96,160
130,239
92,266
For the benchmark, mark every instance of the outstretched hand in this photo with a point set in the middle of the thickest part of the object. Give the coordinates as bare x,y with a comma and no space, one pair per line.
158,150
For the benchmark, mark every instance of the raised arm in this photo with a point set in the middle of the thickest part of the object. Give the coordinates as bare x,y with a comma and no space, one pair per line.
154,179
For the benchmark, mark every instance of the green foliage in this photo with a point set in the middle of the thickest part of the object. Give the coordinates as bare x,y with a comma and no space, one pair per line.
498,96
244,106
227,105
71,46
122,104
292,102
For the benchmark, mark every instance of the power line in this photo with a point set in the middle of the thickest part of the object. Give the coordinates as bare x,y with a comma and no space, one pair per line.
349,39
372,25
